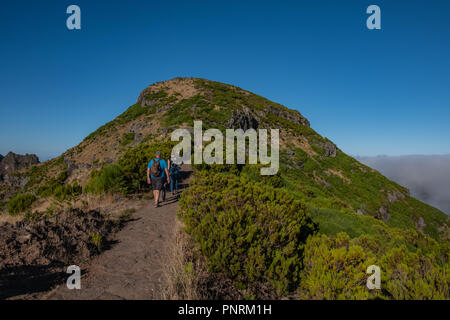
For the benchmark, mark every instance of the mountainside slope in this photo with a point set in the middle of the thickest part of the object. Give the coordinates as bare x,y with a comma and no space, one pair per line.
310,230
312,167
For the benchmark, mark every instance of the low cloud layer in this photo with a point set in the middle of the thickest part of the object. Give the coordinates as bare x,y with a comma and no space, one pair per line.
427,177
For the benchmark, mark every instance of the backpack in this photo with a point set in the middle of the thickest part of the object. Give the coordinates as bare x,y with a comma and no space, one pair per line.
174,169
155,169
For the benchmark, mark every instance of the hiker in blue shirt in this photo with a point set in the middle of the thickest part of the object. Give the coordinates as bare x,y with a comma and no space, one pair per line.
157,174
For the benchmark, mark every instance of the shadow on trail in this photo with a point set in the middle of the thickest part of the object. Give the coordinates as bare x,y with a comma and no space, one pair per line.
21,280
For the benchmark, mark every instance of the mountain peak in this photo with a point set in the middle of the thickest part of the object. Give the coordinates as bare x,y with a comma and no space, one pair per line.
227,102
183,87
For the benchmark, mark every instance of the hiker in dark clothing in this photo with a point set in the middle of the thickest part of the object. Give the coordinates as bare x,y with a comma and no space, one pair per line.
174,173
157,174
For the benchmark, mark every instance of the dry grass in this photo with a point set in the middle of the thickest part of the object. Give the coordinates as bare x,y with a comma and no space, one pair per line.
180,272
184,87
187,276
108,204
339,174
288,141
112,205
4,217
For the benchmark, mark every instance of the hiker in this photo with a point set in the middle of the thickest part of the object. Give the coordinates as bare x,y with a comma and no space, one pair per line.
157,174
174,173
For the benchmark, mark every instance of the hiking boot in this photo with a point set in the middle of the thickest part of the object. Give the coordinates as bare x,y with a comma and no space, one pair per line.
156,205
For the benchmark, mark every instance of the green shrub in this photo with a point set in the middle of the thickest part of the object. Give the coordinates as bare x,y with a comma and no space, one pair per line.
129,175
52,184
64,192
20,202
335,267
249,231
107,179
98,240
57,187
133,164
127,138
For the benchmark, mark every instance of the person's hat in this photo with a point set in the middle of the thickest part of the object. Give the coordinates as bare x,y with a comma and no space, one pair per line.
158,153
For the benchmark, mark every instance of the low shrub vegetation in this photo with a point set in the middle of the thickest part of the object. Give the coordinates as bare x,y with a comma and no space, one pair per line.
106,179
252,232
57,188
129,174
20,202
412,265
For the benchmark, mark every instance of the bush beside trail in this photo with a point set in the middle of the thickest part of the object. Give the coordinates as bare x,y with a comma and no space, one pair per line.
263,240
251,232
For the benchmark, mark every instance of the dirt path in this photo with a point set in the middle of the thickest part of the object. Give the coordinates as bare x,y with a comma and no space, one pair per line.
133,267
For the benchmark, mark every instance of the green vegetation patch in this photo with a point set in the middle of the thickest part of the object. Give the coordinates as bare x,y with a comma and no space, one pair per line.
335,267
197,108
20,202
252,232
127,138
107,179
129,174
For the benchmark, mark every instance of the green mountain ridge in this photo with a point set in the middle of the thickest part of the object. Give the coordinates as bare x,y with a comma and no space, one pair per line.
319,172
336,209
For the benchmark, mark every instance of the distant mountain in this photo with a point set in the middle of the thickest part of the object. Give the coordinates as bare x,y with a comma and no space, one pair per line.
427,176
13,162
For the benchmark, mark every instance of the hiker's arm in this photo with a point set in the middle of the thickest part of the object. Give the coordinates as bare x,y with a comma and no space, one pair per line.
148,175
167,175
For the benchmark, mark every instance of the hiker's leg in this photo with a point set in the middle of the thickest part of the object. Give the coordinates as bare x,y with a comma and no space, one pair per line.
171,183
156,196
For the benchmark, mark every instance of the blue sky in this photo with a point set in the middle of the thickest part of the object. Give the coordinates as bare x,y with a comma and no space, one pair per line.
372,92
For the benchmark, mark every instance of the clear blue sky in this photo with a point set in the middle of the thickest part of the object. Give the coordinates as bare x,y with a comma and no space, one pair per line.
371,92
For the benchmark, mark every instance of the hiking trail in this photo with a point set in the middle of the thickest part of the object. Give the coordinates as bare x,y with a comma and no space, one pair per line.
133,267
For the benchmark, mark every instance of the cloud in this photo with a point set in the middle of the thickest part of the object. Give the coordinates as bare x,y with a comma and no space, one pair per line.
427,177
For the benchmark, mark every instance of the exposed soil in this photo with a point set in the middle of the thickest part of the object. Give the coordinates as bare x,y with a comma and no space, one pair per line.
132,269
33,255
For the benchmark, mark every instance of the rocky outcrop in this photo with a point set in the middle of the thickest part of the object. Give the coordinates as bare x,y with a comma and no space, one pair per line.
290,115
394,196
420,224
383,214
329,148
145,101
137,129
241,120
13,162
